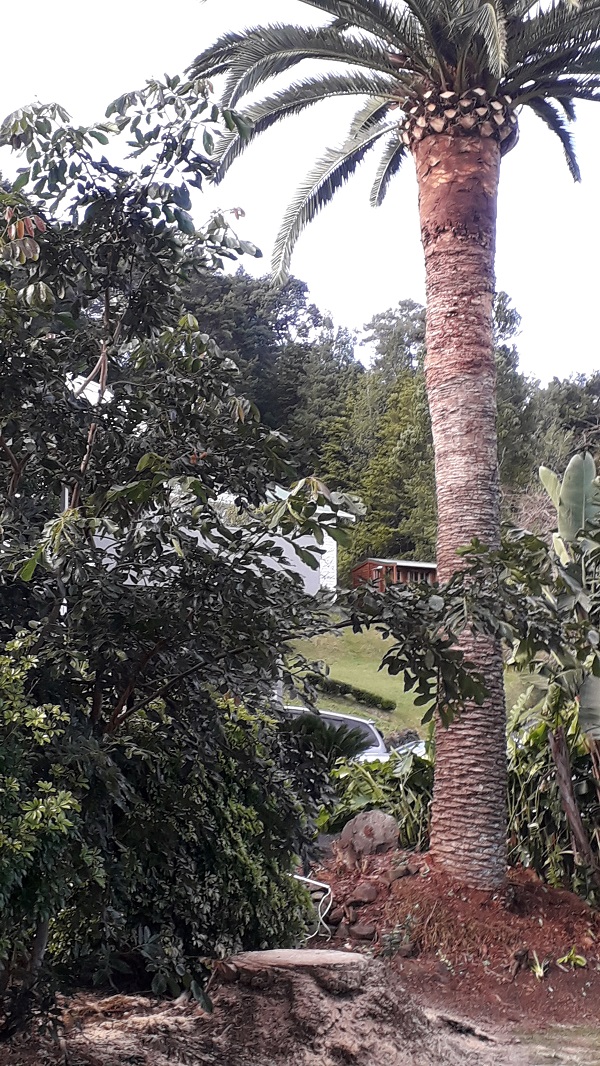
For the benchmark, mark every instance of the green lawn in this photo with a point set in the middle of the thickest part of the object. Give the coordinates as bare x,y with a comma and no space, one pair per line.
355,658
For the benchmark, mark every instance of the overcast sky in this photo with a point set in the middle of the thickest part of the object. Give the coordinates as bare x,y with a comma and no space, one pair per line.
356,260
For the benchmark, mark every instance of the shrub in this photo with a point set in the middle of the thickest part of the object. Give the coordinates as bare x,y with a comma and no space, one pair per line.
166,845
196,852
342,688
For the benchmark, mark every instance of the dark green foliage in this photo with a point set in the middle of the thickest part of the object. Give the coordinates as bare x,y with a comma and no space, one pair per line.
539,833
313,734
149,825
193,827
293,364
332,687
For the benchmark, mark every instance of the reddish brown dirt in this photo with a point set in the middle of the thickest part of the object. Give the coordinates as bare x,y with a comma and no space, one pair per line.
473,954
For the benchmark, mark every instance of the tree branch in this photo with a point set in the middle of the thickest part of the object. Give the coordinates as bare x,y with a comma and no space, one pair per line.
174,681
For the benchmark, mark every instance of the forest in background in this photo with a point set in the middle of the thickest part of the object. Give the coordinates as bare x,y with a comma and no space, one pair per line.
366,429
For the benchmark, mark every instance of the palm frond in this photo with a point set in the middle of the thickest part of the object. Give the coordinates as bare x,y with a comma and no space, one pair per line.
330,174
215,60
556,31
272,50
374,109
394,154
518,9
375,16
435,18
554,120
486,21
586,87
297,98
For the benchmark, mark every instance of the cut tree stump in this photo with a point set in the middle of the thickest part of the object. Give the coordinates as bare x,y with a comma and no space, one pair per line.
279,1008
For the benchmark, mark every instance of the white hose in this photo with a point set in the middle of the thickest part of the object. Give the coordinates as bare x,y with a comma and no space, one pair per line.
325,904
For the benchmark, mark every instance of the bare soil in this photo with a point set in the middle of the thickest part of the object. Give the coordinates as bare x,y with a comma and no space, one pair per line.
473,952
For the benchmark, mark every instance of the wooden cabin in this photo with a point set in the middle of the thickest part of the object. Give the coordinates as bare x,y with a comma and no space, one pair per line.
393,572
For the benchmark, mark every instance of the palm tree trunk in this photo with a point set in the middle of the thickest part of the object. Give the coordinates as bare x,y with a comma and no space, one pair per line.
458,186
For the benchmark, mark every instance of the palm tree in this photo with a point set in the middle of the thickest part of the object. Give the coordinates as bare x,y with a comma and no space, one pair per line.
443,81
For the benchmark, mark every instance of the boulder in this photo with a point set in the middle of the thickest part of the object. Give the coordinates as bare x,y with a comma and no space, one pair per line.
369,833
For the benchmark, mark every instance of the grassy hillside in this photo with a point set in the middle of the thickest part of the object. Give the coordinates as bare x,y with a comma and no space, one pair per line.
355,658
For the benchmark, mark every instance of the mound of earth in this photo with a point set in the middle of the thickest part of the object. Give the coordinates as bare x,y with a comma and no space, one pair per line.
529,955
307,1008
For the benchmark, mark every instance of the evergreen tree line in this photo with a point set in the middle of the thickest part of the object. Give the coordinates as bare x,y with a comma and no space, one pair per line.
366,428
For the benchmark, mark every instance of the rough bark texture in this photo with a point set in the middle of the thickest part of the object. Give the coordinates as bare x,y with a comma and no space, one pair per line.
458,185
564,776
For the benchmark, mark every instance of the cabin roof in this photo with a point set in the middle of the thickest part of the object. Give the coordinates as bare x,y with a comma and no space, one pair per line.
395,562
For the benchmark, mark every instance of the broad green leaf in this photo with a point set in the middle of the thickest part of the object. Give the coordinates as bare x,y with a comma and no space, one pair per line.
575,505
589,707
28,569
185,222
21,181
551,483
560,549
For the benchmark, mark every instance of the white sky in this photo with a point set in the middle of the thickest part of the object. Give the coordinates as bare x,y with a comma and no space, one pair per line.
356,260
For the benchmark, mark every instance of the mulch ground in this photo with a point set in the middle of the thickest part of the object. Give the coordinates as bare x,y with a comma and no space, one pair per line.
471,953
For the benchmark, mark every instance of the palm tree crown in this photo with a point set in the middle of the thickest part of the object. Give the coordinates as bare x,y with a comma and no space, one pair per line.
419,68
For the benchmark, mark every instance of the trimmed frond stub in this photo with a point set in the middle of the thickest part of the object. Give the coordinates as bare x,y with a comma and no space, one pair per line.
472,114
318,189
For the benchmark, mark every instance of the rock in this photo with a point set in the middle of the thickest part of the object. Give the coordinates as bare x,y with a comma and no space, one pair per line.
343,931
365,892
335,916
395,873
412,869
369,833
363,931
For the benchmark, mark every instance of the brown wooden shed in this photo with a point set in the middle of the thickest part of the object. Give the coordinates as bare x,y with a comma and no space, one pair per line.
393,572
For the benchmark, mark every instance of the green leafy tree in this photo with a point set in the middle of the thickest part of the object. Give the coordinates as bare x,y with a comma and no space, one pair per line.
146,821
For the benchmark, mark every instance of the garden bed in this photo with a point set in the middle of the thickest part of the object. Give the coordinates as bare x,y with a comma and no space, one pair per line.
490,957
